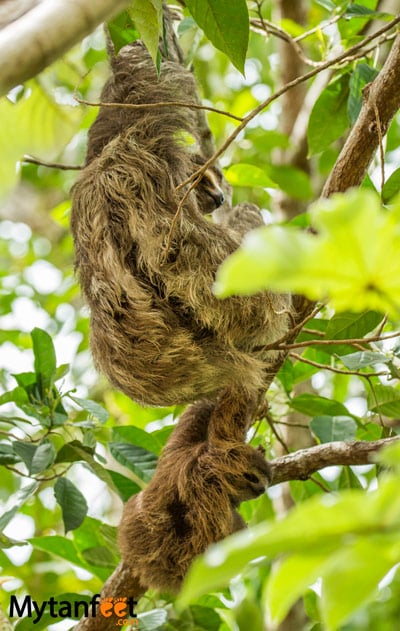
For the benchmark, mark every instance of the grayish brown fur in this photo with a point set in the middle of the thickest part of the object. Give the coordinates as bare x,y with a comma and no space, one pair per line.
157,330
203,475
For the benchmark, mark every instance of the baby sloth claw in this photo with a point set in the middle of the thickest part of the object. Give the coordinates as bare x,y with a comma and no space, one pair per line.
191,501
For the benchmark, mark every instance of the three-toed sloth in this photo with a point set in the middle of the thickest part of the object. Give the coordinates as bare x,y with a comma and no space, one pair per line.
157,330
205,472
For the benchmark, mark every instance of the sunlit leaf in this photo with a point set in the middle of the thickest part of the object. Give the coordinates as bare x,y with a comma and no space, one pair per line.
226,24
353,259
35,125
248,175
147,18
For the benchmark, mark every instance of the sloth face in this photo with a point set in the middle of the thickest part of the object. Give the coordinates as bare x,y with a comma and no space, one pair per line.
209,193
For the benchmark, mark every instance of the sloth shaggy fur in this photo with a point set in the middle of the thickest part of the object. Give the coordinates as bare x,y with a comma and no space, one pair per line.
157,330
203,475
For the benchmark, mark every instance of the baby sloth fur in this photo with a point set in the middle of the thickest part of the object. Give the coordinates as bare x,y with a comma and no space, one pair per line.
157,330
204,473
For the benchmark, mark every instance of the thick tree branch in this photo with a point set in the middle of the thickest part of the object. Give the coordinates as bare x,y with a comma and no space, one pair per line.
119,585
382,96
45,33
303,463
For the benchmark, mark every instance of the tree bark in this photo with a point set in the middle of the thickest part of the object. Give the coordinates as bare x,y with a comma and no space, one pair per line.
302,464
382,99
45,33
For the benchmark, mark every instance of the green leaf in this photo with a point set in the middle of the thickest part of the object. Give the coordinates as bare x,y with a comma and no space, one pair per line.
362,75
60,546
125,487
226,24
359,11
248,175
391,187
18,396
72,502
362,359
385,400
122,31
45,359
352,579
95,409
152,620
7,455
75,451
293,181
327,4
15,503
43,457
353,259
313,405
34,125
147,18
331,428
26,451
328,119
137,459
347,325
289,580
325,523
136,436
100,556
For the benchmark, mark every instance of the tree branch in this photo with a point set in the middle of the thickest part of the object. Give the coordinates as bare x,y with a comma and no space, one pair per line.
45,33
382,96
303,463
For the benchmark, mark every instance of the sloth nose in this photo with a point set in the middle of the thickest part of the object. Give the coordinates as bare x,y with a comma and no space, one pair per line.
218,198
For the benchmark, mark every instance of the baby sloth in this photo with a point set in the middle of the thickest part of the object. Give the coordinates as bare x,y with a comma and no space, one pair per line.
203,475
157,330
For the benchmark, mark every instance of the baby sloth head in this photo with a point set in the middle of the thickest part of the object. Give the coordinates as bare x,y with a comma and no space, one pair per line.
208,191
247,474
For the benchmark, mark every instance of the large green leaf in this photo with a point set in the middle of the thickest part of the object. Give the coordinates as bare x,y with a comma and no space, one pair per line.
328,119
314,405
36,125
353,259
391,187
326,524
354,574
330,428
385,400
226,24
362,75
73,504
16,501
137,459
137,436
45,359
147,18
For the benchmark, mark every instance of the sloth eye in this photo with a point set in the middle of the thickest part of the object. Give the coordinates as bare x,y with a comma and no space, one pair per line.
250,477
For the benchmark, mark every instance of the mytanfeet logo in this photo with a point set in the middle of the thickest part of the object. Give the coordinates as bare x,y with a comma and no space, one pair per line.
123,609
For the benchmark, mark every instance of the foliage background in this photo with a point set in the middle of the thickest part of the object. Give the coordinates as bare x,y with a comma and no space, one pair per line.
72,450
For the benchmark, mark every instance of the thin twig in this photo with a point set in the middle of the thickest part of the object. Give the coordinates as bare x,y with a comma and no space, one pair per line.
52,165
339,371
140,106
350,342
